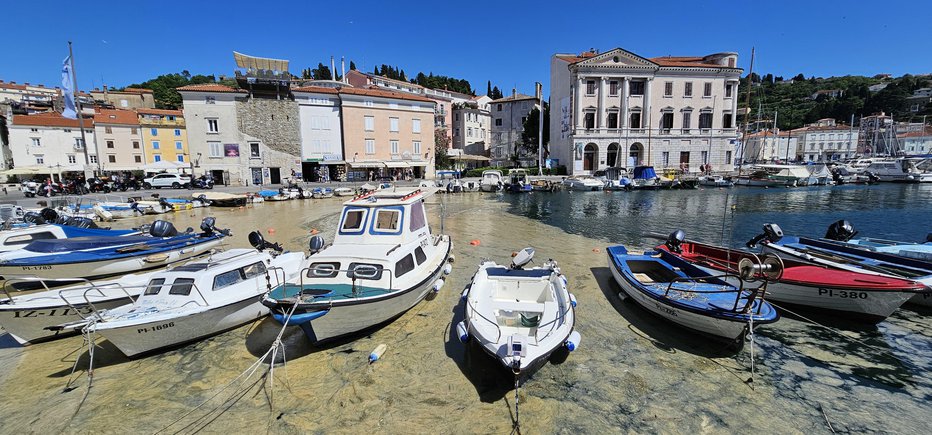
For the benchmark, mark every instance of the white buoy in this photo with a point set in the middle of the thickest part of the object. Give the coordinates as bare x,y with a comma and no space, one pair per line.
377,353
462,332
447,269
438,284
573,341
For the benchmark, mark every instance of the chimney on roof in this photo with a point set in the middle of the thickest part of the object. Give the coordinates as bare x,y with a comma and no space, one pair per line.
514,93
343,69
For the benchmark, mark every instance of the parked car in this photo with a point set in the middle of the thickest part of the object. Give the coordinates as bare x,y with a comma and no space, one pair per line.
174,181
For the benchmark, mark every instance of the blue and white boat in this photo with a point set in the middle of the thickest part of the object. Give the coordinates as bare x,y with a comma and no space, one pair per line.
687,295
383,261
321,192
100,257
843,232
274,195
645,178
519,316
18,237
517,181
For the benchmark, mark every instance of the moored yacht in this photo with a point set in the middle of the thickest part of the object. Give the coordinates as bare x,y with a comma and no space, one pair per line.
492,181
583,183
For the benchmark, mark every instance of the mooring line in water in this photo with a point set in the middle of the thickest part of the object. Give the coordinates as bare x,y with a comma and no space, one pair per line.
837,331
249,372
822,410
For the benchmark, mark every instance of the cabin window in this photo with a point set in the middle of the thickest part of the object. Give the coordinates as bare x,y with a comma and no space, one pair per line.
154,286
419,255
353,220
323,270
365,271
227,279
254,270
387,220
28,238
418,220
182,286
404,265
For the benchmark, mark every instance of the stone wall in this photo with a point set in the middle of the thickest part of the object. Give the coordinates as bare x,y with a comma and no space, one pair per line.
275,122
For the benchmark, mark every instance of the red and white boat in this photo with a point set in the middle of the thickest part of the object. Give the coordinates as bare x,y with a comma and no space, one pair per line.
869,298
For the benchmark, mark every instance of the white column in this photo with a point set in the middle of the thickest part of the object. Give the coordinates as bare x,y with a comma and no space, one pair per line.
623,122
646,118
600,117
577,103
734,105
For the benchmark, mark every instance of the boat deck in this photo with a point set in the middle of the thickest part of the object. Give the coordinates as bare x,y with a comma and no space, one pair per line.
328,292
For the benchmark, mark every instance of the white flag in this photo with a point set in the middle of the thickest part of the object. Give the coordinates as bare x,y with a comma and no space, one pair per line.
67,89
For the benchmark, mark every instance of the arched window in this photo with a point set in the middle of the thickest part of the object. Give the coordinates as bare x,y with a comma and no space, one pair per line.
634,155
611,159
589,156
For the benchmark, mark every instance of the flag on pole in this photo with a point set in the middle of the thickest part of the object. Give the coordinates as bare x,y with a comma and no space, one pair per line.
67,89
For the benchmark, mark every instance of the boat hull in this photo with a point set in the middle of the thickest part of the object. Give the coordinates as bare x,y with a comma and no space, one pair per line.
27,325
868,306
135,339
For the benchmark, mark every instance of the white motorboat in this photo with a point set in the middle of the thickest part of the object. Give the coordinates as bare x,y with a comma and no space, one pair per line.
343,191
492,181
321,192
383,261
583,183
31,317
715,181
100,257
895,170
615,178
195,300
519,316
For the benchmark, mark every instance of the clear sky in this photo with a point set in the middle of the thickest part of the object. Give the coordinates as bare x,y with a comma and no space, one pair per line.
509,42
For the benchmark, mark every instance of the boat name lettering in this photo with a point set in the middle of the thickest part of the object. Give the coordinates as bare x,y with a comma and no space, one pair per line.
156,328
842,294
424,243
52,313
669,311
36,267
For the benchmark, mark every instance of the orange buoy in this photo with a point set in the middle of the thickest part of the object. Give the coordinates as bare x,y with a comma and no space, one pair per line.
596,250
474,242
314,231
271,230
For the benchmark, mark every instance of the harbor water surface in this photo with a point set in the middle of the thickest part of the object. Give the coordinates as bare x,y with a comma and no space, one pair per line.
633,373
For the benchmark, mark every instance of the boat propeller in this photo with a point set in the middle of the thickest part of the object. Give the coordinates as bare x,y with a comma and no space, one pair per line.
522,258
841,231
770,268
259,242
772,233
675,241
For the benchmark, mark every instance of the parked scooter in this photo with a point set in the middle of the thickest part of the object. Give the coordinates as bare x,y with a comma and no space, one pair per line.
97,185
203,182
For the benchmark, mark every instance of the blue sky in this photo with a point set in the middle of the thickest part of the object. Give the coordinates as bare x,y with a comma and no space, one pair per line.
122,42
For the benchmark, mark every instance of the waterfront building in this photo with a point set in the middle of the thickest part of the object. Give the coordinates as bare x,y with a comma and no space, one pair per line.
117,133
472,125
220,148
48,140
917,143
26,99
321,136
387,132
128,98
765,146
164,136
919,100
507,116
825,140
620,109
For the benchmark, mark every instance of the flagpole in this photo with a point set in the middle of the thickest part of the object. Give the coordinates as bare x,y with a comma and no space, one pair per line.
77,104
540,129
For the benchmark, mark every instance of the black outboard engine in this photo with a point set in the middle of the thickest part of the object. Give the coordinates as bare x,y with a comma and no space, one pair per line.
33,218
164,203
208,226
929,238
80,222
162,229
257,241
841,231
48,214
316,244
772,233
675,241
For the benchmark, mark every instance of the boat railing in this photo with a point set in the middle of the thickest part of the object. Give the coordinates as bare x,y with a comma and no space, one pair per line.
739,291
87,300
498,328
363,272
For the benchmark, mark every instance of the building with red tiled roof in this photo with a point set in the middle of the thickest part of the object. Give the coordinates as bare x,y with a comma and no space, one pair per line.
129,98
617,108
210,87
119,138
50,140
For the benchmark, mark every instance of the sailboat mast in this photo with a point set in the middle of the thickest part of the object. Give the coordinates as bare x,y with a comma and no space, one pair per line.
747,113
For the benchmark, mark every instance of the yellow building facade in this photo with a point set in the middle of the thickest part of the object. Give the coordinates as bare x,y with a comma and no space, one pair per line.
164,135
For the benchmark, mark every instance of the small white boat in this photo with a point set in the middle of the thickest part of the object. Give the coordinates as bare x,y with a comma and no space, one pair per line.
895,170
715,181
31,317
196,300
583,183
343,191
16,238
519,316
321,192
492,181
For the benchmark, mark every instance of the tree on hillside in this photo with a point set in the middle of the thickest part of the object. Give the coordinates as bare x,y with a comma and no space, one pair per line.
529,135
496,93
441,144
322,72
163,87
352,66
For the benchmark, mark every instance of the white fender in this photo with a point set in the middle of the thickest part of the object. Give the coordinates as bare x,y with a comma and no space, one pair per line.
462,332
438,284
447,269
573,341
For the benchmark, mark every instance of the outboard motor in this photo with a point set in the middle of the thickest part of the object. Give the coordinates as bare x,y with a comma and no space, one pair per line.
80,222
164,203
675,241
33,218
257,241
772,233
162,229
841,231
929,238
208,226
522,258
48,214
316,244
